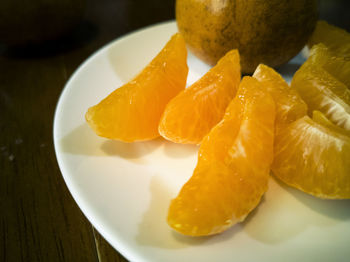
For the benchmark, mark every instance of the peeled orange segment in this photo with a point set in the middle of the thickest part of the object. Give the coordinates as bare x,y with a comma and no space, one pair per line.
312,156
323,91
321,119
132,112
233,166
336,65
191,114
333,37
289,105
314,159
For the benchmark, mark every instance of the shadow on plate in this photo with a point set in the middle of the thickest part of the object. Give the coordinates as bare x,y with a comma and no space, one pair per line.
154,231
333,208
283,214
134,152
130,150
286,212
83,141
174,150
208,240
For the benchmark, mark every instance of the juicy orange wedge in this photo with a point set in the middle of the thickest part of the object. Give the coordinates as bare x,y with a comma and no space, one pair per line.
233,166
193,112
132,112
335,38
289,105
313,158
322,83
309,154
321,119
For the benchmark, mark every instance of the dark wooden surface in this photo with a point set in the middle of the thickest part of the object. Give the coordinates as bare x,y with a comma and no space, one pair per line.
39,220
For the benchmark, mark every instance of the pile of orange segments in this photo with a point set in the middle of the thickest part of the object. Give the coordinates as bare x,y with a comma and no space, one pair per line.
245,127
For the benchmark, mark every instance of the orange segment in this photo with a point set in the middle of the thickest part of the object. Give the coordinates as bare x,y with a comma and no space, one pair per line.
191,114
321,83
321,119
233,166
132,112
336,65
314,159
311,155
333,37
289,105
304,150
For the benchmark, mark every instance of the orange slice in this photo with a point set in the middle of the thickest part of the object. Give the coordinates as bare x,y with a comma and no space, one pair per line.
311,155
321,119
233,166
321,83
132,112
289,105
191,114
313,158
336,65
304,149
335,38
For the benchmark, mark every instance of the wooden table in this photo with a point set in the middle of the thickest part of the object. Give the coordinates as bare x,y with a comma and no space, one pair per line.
39,220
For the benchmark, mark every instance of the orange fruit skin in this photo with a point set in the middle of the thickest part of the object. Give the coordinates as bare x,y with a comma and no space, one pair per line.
193,112
233,166
132,112
269,32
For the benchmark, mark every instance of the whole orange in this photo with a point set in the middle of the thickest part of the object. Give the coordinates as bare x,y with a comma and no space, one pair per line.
269,32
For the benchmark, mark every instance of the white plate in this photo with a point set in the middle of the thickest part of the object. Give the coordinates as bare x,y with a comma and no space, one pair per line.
125,189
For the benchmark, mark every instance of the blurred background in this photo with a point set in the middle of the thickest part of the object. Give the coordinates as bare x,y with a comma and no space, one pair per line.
46,27
42,42
41,23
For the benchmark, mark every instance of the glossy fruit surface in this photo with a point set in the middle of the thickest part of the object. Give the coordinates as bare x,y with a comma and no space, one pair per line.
132,112
334,63
313,158
289,105
335,38
321,119
321,82
269,32
233,166
193,112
